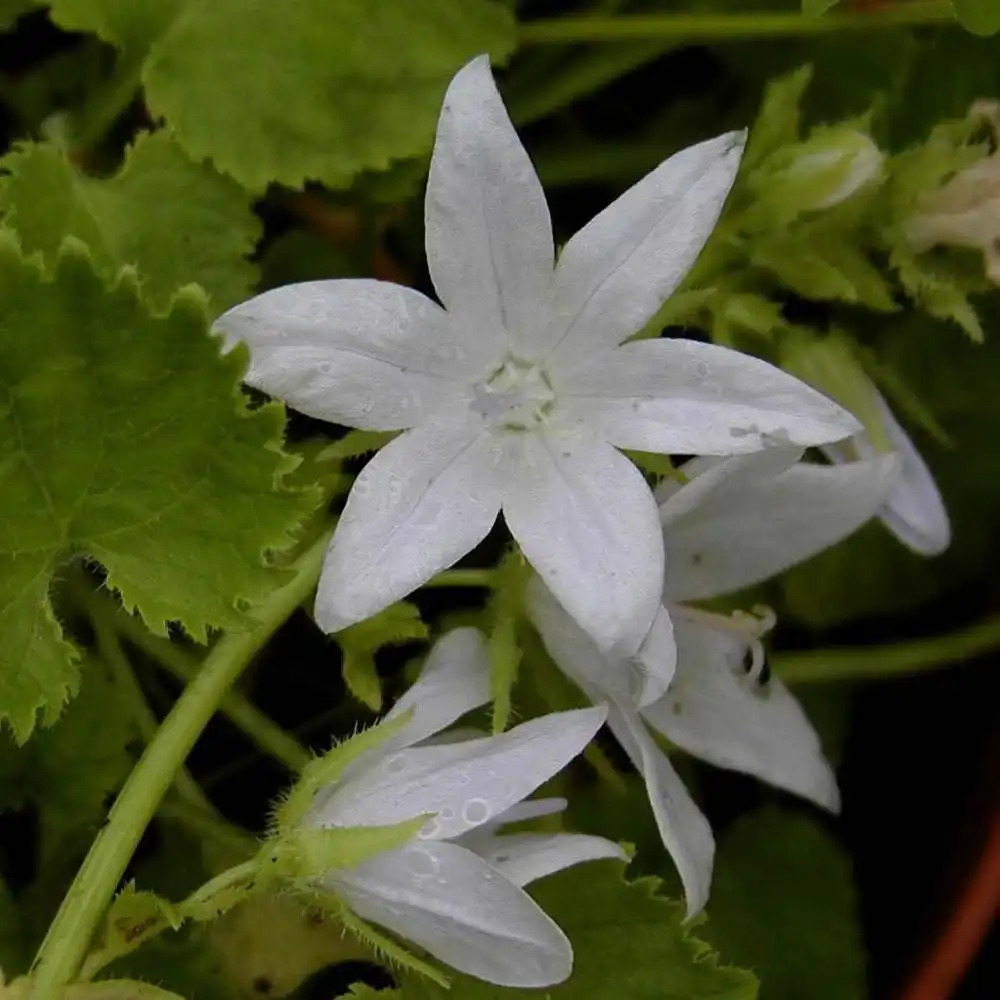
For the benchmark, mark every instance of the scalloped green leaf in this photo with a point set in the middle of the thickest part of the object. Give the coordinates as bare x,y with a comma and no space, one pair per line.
175,220
784,902
300,90
124,439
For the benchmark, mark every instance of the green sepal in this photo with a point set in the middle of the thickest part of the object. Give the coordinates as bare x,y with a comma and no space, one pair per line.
394,625
503,612
310,852
324,772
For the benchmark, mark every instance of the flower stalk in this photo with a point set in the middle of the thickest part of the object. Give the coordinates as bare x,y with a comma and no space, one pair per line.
61,953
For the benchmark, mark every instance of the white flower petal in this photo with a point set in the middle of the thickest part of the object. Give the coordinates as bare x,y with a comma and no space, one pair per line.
424,501
619,269
637,680
715,711
685,397
751,517
656,659
524,857
489,239
586,521
364,353
685,831
572,649
463,784
914,511
529,809
454,680
451,902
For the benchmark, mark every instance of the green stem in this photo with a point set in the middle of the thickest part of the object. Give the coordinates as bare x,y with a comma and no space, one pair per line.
236,876
261,730
591,70
729,27
463,578
893,660
66,942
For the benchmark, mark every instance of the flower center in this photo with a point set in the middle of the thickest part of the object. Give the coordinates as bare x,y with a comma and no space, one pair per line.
517,396
746,628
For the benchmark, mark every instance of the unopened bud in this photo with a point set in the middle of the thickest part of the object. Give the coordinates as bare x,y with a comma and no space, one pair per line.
965,211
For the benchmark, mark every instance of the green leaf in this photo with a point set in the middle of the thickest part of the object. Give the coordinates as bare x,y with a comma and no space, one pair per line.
823,266
279,941
133,918
777,121
68,771
784,903
629,943
11,10
304,89
939,293
981,17
124,438
397,624
174,220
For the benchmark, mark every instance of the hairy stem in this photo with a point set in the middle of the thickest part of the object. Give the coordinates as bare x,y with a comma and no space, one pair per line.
728,27
59,958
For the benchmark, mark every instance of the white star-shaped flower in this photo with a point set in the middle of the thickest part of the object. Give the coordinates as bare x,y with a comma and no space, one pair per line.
457,889
516,396
737,522
914,512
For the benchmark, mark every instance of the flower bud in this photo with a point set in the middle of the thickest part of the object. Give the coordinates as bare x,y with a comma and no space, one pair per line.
965,210
820,172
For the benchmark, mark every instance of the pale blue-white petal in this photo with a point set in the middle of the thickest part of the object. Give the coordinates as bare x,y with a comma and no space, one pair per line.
716,711
685,831
463,785
748,518
364,353
489,239
424,501
636,680
459,908
914,511
685,397
454,680
524,857
587,522
616,272
656,660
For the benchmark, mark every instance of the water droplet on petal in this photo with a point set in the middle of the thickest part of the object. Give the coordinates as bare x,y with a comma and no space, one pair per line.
476,811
